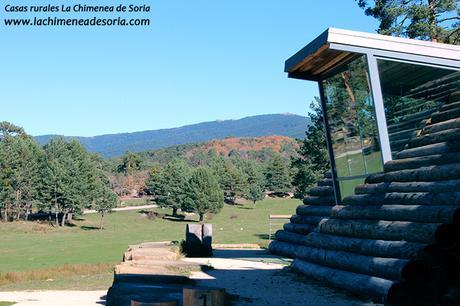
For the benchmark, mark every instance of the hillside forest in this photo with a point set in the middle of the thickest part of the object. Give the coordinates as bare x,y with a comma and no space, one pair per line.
61,179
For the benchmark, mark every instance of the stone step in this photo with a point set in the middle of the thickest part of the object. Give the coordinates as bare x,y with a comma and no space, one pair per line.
421,161
423,174
151,279
432,138
404,198
434,187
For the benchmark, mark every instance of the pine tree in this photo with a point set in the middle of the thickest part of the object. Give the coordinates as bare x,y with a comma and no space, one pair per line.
168,185
19,164
278,177
435,20
203,193
312,160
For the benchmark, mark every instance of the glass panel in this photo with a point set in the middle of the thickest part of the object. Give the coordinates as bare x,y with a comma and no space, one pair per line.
351,115
411,94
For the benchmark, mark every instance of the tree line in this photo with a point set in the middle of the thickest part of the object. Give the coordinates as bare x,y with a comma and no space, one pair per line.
59,179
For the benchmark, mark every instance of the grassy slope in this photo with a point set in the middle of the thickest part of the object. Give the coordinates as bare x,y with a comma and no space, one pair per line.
30,246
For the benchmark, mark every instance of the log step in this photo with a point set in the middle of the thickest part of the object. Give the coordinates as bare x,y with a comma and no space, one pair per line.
404,198
423,174
324,200
299,228
442,136
325,182
357,283
413,213
321,191
450,106
383,230
389,268
371,247
313,210
311,220
422,161
438,148
445,115
433,187
442,126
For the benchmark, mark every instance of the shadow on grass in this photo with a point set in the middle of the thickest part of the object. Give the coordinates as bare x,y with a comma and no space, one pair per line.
245,207
89,228
178,219
263,236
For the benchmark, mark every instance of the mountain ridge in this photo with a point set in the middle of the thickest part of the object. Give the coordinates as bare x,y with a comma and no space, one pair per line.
112,145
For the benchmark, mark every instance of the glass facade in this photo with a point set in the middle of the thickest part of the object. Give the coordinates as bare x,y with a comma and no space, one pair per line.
411,94
350,112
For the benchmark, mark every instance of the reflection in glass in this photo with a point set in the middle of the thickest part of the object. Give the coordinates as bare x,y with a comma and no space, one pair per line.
411,94
351,116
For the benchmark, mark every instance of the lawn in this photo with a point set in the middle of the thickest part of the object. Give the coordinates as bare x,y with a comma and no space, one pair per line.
28,246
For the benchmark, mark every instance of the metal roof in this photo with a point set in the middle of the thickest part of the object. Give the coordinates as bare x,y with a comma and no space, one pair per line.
336,46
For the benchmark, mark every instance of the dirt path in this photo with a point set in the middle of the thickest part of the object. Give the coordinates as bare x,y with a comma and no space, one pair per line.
92,211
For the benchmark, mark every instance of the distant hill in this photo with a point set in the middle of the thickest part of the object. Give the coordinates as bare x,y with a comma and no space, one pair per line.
112,145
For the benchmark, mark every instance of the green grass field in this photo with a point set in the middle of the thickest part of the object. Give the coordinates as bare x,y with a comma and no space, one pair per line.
29,246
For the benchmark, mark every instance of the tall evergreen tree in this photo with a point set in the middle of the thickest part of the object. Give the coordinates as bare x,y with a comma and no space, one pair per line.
19,164
203,193
71,176
435,20
312,160
168,185
278,177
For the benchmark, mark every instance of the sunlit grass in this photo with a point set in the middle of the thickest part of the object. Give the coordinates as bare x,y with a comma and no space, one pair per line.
40,251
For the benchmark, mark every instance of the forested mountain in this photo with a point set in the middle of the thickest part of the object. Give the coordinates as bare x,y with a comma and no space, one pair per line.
113,145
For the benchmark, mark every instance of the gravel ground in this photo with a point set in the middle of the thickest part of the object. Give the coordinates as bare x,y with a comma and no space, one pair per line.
252,276
261,279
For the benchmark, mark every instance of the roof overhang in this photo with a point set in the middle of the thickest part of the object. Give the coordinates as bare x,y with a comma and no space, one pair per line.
336,46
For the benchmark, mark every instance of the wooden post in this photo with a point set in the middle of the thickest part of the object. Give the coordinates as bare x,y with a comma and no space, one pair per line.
204,296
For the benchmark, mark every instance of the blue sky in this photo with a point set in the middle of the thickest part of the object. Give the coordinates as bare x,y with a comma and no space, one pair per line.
199,60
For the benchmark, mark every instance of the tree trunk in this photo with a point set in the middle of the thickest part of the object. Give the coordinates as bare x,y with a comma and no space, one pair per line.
101,224
64,218
201,217
174,212
432,19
